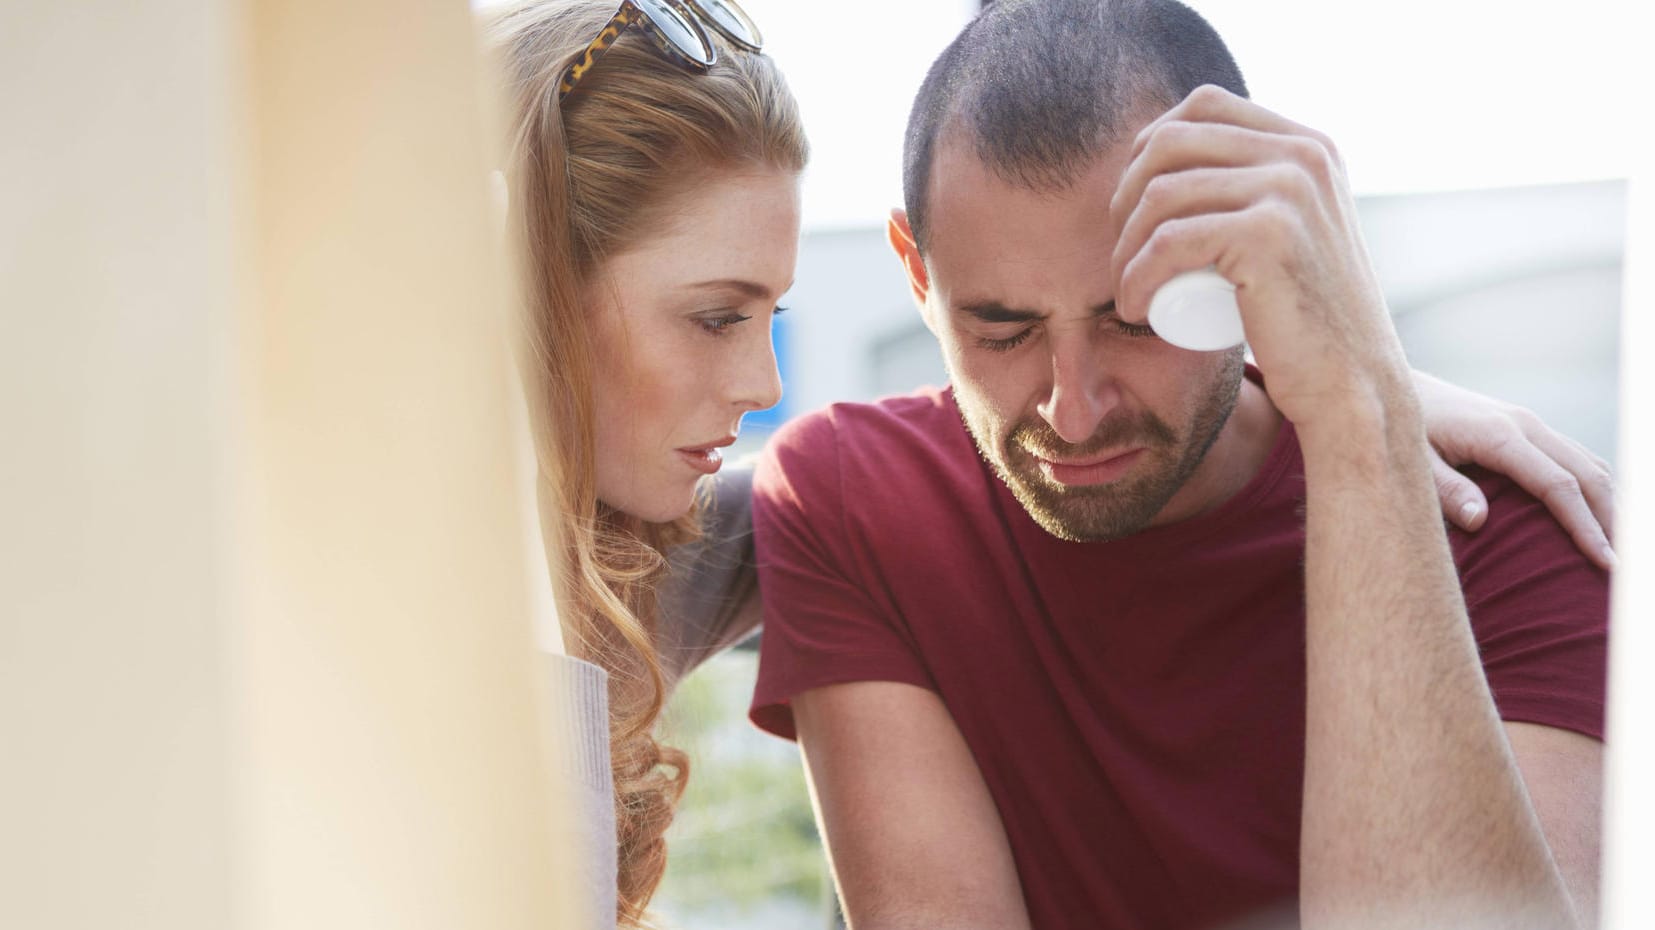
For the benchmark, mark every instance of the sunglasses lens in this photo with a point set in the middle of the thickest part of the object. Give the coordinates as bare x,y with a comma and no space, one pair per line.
679,31
732,21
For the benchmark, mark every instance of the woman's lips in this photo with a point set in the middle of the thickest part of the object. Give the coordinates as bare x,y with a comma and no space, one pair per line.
1100,471
706,461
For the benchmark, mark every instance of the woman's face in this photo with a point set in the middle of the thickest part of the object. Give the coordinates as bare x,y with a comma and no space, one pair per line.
683,338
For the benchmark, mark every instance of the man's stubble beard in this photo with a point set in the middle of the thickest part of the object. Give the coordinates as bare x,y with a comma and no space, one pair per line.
1099,513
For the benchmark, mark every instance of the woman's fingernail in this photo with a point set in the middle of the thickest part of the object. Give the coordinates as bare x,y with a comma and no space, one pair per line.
1469,511
1609,557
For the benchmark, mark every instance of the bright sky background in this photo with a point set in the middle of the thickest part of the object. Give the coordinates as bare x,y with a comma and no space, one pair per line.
1419,95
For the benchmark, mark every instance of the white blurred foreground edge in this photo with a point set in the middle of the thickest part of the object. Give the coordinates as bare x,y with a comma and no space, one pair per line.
1629,801
265,657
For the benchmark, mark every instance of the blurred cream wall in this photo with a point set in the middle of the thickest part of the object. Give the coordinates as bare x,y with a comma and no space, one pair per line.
264,651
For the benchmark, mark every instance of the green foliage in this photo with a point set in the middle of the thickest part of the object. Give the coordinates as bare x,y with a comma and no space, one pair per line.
744,841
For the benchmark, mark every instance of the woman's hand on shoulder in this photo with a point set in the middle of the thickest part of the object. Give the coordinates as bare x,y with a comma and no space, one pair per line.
1467,428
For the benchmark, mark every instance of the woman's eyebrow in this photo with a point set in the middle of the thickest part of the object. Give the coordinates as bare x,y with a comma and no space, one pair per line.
750,289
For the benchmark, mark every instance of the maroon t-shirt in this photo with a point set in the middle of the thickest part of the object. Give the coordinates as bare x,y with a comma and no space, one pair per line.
1136,707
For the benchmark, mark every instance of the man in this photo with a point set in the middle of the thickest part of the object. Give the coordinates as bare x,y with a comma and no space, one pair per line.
1114,634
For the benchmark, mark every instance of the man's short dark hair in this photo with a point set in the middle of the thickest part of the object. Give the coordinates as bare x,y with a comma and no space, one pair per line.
1044,87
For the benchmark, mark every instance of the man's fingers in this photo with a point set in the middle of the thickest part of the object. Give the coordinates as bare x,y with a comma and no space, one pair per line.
1538,472
1463,503
1261,237
1176,245
1212,104
1180,146
1197,191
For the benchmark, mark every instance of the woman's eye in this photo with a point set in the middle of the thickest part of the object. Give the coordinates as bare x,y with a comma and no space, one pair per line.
1006,344
718,325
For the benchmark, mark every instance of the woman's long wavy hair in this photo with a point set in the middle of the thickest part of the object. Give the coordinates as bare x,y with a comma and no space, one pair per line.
588,179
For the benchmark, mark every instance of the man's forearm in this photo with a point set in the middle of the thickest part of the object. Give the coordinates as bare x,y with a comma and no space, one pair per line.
1414,810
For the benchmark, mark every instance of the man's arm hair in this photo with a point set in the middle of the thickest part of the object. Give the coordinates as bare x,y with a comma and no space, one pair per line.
1415,807
914,839
1563,771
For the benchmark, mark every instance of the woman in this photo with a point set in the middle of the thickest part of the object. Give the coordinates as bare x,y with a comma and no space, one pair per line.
658,211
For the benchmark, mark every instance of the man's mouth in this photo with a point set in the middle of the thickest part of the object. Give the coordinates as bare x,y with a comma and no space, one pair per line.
1099,468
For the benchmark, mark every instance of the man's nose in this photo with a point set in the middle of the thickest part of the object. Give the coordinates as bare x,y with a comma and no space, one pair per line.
1082,392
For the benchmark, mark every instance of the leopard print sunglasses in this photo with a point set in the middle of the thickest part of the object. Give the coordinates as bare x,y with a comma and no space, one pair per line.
675,27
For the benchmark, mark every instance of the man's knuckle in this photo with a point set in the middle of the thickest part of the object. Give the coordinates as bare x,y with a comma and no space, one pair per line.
1158,191
1208,95
1185,135
1306,151
1331,157
1296,184
1165,238
1277,221
1527,420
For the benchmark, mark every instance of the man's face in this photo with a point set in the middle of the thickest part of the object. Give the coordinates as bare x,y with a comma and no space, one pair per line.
1098,427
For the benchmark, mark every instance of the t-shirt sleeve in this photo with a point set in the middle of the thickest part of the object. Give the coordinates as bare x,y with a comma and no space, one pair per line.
1540,612
708,601
824,622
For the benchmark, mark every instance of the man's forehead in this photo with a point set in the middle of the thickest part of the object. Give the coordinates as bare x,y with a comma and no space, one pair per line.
977,211
959,165
959,162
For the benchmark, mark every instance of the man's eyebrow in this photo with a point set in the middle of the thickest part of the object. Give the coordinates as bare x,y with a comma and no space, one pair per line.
992,311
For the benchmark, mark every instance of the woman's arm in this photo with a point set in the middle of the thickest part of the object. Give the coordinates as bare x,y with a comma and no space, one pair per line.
709,599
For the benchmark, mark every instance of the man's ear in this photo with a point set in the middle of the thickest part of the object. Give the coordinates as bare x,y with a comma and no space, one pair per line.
902,242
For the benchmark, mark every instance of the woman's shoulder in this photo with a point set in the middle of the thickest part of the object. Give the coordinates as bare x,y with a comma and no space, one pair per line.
708,600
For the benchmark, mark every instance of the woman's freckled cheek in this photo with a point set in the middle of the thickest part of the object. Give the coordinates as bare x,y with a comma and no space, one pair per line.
660,396
663,361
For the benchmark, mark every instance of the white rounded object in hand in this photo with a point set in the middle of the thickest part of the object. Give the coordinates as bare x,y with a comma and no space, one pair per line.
1197,310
